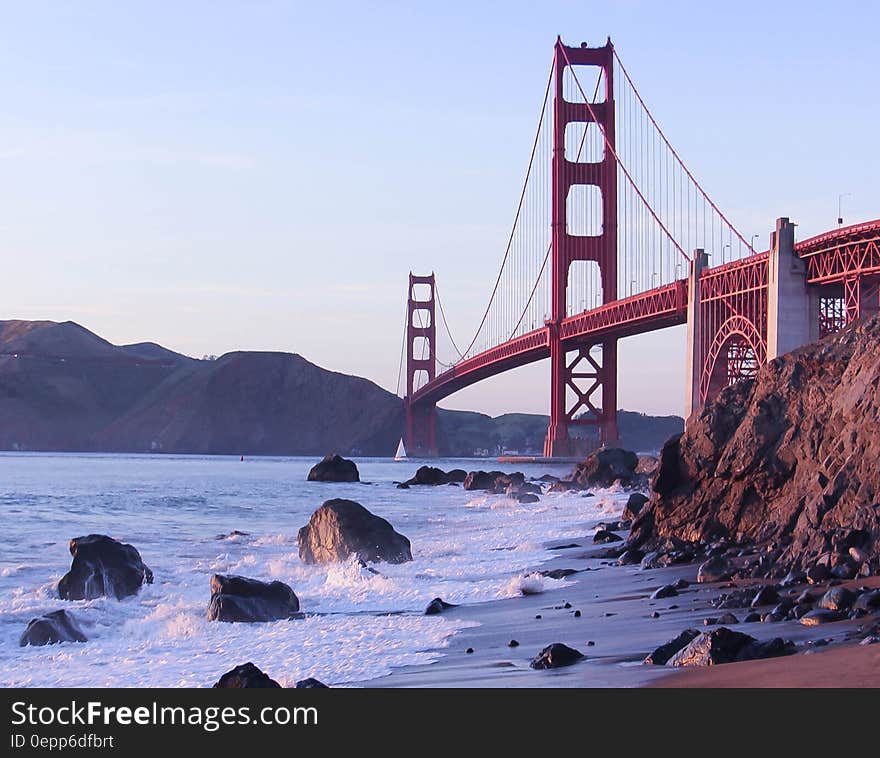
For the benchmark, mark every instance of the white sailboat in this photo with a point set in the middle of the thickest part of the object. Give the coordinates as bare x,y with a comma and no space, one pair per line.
400,455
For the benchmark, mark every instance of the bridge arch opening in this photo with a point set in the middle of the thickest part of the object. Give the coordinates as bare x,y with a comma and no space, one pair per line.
736,353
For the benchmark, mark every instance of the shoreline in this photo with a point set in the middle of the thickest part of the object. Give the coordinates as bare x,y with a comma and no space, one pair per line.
616,608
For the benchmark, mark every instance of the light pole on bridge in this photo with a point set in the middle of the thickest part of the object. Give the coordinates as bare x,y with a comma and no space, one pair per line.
840,207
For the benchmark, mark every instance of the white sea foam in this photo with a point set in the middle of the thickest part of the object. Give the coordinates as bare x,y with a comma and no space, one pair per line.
359,623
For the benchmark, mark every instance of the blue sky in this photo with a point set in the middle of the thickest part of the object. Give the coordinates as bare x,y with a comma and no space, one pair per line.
263,175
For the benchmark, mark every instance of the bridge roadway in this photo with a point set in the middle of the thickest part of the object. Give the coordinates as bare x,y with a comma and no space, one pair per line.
831,257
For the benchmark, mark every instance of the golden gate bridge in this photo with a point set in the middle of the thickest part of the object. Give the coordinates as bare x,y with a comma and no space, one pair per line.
612,237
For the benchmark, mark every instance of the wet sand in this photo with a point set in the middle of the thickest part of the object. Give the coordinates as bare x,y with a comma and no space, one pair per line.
616,613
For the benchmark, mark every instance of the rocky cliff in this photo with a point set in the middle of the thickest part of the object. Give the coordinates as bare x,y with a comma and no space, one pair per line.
789,460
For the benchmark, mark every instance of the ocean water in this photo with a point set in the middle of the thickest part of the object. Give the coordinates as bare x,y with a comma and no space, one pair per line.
467,547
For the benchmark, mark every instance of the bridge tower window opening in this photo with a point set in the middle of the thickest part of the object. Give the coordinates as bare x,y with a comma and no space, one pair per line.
584,142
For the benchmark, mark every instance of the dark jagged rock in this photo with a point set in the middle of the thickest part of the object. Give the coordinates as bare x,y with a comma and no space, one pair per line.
605,467
634,505
773,648
723,645
510,484
793,578
844,571
527,497
341,528
819,616
513,643
527,488
246,676
717,569
868,601
239,599
837,599
667,590
102,566
727,619
765,596
783,607
558,573
311,684
787,460
437,606
52,628
564,485
663,653
232,534
481,480
433,477
334,468
603,536
630,557
555,656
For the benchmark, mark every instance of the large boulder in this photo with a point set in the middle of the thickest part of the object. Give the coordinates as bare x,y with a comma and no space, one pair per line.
482,480
716,569
311,684
438,605
786,461
662,654
239,599
334,468
51,628
246,676
605,467
432,476
634,505
102,566
556,656
723,645
341,528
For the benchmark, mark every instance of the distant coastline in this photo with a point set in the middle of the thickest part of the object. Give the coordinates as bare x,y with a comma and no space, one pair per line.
65,389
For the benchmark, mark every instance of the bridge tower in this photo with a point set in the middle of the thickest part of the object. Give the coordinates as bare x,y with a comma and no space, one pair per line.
591,379
420,436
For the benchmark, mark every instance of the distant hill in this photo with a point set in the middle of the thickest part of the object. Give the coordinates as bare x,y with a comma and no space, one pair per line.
63,388
463,432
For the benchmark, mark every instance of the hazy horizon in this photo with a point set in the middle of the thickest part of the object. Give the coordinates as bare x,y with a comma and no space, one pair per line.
228,176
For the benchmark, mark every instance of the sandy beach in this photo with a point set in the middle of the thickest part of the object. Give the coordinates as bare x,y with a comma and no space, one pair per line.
616,630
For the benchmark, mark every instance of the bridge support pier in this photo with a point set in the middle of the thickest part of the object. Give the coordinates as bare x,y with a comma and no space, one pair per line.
792,306
695,342
584,375
420,437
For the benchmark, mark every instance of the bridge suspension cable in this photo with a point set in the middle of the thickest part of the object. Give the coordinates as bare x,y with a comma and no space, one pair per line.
663,214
